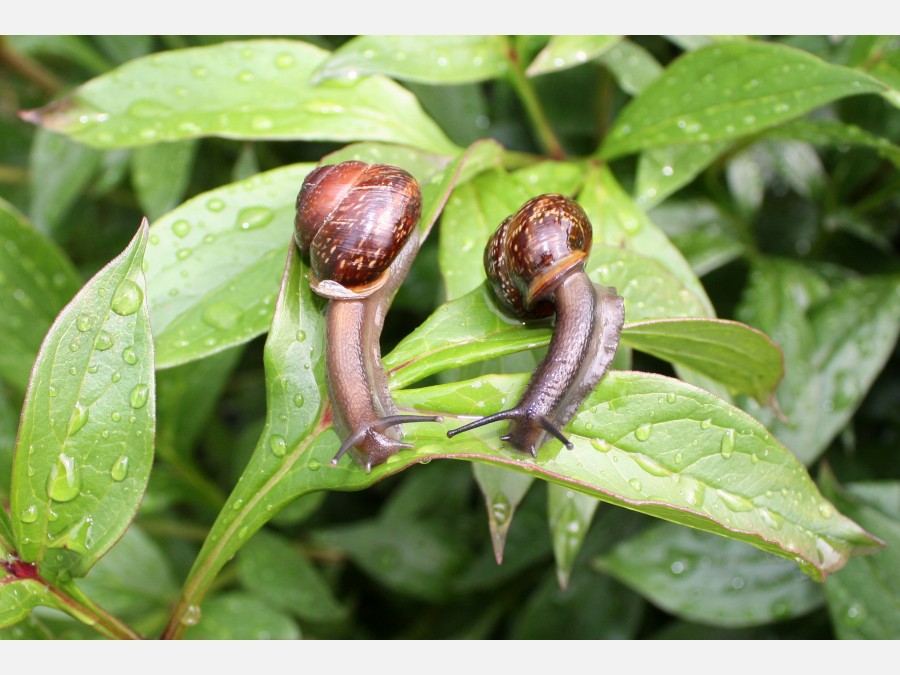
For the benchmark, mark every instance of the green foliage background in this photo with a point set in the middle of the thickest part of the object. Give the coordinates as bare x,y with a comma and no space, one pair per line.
744,196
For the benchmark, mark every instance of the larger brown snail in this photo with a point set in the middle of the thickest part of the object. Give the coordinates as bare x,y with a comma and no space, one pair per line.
357,222
535,267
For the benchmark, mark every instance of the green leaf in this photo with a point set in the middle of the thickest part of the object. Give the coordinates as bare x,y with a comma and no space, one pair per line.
665,448
619,222
432,59
238,616
568,51
161,174
702,232
569,514
710,580
36,280
213,265
423,166
738,88
633,66
662,171
835,133
864,599
741,357
834,347
60,172
275,572
256,89
85,442
502,491
18,597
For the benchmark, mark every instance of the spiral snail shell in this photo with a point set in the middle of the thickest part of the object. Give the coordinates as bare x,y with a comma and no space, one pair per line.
357,223
535,267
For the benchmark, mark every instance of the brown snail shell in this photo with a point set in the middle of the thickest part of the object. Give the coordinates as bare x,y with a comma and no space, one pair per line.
353,219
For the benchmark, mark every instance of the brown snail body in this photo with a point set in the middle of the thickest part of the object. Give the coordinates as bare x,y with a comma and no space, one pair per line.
535,266
357,222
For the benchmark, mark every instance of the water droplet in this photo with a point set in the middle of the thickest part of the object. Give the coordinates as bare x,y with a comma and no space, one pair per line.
301,336
636,484
103,341
642,433
74,345
254,217
706,424
650,466
600,444
278,445
243,532
215,205
245,76
500,509
181,228
183,253
284,60
727,446
694,492
191,616
116,376
119,469
64,482
677,567
222,315
299,400
79,418
671,398
314,465
127,299
826,510
678,458
147,108
84,323
129,356
771,518
733,502
139,395
856,614
237,505
53,391
29,515
116,416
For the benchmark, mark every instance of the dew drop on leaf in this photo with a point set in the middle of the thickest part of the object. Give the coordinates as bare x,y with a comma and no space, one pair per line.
500,509
80,415
64,482
119,469
642,433
254,217
222,315
29,515
191,616
138,396
181,228
103,341
278,445
84,322
727,446
129,356
128,298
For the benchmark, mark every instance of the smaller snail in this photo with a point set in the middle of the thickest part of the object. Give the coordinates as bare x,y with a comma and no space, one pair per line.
535,267
357,222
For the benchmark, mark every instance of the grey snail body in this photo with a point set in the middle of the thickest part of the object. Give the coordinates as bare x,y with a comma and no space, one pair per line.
357,223
535,266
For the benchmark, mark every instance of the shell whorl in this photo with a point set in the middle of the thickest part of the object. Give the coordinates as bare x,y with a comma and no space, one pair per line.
533,249
353,219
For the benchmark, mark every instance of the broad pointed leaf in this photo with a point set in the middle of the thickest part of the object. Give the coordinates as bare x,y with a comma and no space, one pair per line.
567,51
257,89
85,442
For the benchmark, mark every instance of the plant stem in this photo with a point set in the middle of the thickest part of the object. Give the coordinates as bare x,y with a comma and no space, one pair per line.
13,174
533,109
29,69
76,603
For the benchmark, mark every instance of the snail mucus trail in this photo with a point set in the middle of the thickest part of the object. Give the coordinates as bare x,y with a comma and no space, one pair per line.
535,267
357,223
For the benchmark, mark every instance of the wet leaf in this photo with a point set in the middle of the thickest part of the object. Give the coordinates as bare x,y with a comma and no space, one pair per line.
258,89
665,448
569,514
633,66
36,280
835,344
710,580
741,357
568,51
277,573
238,616
702,232
502,491
160,174
85,442
213,265
619,222
662,171
739,88
864,599
834,133
18,597
432,59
